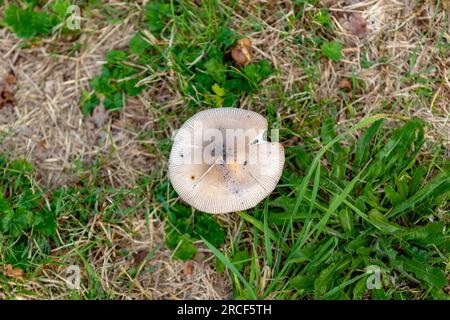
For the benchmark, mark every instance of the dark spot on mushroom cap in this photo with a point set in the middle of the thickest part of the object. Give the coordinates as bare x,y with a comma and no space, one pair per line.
181,155
192,177
245,162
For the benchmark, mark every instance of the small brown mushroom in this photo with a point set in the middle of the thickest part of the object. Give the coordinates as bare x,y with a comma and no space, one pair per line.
220,163
242,52
358,25
345,85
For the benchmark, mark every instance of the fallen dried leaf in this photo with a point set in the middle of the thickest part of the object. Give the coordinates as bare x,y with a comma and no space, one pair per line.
6,97
288,5
345,85
10,79
11,272
242,52
42,144
188,268
358,25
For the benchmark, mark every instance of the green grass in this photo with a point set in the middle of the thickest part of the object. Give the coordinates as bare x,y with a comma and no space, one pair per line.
329,224
339,210
198,53
43,229
382,204
29,20
368,192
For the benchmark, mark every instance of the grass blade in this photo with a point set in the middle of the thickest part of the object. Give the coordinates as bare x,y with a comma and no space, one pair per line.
230,267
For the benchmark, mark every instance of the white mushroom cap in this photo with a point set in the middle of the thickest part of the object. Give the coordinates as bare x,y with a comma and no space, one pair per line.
219,162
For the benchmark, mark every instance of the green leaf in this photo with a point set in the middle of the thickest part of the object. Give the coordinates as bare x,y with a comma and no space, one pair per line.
60,7
346,218
220,93
205,226
334,205
227,37
302,157
338,288
332,50
382,223
114,101
5,207
182,243
360,288
436,187
138,45
218,90
328,134
423,271
116,56
323,17
130,87
392,195
323,281
431,235
220,266
362,151
240,259
102,84
158,14
267,242
20,167
88,103
182,223
27,23
302,282
303,186
256,72
216,69
185,251
417,179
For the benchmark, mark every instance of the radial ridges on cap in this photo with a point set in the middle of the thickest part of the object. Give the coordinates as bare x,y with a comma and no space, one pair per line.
226,183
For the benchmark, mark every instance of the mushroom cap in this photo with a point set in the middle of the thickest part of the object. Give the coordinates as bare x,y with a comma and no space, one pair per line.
219,162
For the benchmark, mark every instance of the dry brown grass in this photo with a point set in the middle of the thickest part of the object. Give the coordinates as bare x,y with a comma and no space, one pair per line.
46,127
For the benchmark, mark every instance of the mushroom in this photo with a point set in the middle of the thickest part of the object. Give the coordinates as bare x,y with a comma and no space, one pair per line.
242,52
220,162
